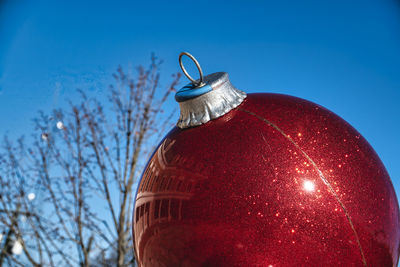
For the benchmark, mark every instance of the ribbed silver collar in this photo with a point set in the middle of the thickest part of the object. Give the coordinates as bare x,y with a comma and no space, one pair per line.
216,102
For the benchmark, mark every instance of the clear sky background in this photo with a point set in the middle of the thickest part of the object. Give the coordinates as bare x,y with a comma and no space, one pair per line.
342,54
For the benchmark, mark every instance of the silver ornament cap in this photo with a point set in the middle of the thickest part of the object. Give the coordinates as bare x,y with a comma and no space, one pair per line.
207,98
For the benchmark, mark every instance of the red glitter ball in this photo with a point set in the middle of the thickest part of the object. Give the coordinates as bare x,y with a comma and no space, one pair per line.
277,181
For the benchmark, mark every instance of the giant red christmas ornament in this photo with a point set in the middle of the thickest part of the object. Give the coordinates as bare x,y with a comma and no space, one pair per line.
263,180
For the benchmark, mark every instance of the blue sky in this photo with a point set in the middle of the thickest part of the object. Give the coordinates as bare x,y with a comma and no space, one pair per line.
343,55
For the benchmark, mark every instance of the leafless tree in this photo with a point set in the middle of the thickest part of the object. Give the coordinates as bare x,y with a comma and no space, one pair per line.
82,166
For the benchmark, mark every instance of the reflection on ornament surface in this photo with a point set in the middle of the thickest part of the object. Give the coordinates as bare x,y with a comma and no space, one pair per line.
278,181
308,186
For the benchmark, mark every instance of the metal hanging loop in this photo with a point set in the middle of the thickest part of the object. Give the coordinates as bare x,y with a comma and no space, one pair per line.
196,83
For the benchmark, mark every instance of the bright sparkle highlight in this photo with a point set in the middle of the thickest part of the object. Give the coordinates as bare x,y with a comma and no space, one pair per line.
308,186
60,125
31,196
17,248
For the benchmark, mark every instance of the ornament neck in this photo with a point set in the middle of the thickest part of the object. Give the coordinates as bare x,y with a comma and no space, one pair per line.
207,98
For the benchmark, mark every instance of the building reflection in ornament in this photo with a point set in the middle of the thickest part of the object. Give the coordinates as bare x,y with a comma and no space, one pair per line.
161,197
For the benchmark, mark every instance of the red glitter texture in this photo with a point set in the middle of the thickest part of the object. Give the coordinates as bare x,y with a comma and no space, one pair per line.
278,181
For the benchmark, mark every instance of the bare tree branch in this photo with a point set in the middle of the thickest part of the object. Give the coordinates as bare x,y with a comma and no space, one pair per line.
66,197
